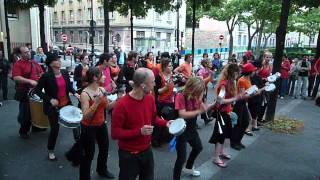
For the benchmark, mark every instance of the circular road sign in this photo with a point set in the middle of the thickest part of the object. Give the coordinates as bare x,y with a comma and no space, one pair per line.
221,37
64,38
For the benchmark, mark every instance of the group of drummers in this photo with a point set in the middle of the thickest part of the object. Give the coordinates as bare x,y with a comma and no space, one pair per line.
143,103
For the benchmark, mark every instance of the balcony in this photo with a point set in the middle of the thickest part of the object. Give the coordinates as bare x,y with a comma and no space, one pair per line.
63,22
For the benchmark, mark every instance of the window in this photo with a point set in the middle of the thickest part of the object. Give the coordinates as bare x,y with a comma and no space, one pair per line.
168,37
245,40
158,35
158,17
79,15
55,16
169,18
63,18
140,17
100,12
71,16
239,39
71,36
270,42
56,36
140,34
312,39
89,13
100,36
80,37
158,39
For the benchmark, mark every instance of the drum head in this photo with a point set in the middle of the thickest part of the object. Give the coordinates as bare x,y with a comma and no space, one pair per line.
112,97
252,90
272,78
71,114
270,87
177,126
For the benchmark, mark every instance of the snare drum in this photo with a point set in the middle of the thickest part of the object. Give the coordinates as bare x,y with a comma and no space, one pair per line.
70,116
38,118
177,127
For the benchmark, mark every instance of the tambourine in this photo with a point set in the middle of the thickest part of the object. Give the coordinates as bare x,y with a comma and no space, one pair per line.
273,77
252,90
270,87
177,127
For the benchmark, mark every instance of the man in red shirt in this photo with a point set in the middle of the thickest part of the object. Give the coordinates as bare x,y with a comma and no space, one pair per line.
186,68
317,79
25,73
133,119
285,68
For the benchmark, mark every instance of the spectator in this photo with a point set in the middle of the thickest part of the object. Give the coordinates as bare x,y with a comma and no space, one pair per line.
312,75
4,71
293,75
285,68
40,58
304,68
317,79
175,58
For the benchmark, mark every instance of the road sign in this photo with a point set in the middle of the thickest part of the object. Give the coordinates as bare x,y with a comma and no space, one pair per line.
64,38
221,37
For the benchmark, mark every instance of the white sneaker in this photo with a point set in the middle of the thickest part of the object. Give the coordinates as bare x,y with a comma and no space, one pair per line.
281,97
191,172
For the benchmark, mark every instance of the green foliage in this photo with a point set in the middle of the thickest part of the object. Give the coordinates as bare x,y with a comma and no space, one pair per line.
307,22
140,7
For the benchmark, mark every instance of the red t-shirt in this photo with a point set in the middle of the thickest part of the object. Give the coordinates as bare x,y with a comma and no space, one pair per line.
128,117
264,72
317,65
285,68
168,96
191,104
23,68
227,108
61,83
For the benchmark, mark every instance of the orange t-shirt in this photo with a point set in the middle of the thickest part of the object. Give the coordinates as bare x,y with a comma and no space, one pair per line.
186,69
115,71
149,64
243,83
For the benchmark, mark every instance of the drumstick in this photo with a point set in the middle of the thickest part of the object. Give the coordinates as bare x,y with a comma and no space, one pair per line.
220,130
222,121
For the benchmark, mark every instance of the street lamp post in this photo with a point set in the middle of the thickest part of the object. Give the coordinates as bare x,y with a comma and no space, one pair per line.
92,31
179,2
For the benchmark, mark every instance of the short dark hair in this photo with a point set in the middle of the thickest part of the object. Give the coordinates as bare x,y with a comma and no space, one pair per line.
132,54
91,73
103,57
164,63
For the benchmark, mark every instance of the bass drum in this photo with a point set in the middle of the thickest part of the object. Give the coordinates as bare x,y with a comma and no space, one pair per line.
38,118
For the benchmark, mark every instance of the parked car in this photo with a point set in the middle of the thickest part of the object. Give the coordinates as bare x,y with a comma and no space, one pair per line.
57,49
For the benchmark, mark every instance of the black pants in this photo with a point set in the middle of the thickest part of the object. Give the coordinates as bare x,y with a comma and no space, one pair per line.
134,165
161,134
4,86
310,85
54,129
24,116
194,140
88,136
316,86
238,131
291,84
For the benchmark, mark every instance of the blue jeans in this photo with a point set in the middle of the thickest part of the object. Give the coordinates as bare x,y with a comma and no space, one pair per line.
284,86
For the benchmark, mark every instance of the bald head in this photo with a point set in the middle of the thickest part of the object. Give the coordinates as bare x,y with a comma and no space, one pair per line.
141,75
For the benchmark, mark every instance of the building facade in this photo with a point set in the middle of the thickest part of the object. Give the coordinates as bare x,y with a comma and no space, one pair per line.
155,31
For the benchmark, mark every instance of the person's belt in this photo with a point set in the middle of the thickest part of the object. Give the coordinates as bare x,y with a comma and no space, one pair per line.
136,152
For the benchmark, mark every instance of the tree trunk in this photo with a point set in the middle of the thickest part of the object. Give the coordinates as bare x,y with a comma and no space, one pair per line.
106,26
299,38
230,43
318,46
266,40
131,27
42,30
309,41
260,37
193,27
280,35
7,28
249,34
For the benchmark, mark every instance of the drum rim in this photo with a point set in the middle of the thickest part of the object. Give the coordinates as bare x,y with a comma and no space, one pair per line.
177,121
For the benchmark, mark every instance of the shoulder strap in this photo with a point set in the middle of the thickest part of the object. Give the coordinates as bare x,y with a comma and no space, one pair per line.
87,94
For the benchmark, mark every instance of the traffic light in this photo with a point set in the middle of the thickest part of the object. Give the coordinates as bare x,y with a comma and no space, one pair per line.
181,34
91,40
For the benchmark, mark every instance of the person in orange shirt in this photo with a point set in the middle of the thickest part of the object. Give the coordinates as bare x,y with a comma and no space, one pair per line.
186,68
241,108
115,69
149,60
93,126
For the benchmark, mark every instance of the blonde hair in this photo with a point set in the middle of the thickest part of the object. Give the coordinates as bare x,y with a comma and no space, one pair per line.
229,74
194,87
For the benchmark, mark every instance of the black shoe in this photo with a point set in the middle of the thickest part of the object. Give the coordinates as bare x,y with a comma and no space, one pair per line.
255,129
242,146
236,146
105,174
36,129
24,136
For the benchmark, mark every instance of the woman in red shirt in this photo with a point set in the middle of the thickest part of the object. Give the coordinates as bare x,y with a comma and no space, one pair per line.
115,69
189,105
57,86
93,126
223,127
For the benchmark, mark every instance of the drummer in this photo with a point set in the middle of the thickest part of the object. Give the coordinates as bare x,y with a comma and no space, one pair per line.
189,105
165,97
93,126
80,72
186,68
220,132
104,64
57,86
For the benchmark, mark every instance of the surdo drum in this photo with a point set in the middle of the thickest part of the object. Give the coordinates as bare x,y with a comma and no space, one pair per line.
38,118
70,116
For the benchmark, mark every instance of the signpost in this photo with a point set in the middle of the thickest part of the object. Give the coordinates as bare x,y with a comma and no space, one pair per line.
64,39
221,37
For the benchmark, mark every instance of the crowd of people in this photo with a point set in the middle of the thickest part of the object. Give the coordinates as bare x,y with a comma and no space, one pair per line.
154,92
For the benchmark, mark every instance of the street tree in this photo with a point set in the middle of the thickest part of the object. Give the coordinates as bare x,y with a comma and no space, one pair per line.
139,8
269,29
228,11
280,41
